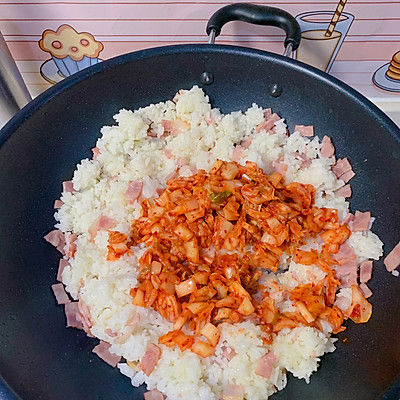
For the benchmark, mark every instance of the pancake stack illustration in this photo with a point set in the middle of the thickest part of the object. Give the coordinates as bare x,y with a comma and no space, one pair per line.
387,76
393,71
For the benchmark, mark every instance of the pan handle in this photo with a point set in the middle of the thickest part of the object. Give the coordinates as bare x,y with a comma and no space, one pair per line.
255,14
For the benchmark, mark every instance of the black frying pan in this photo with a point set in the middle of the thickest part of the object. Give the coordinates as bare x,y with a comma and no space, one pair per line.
40,359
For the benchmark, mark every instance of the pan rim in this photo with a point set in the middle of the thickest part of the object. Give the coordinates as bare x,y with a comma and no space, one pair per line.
12,125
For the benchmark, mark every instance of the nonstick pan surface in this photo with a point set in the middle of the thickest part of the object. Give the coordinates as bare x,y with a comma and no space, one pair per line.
40,359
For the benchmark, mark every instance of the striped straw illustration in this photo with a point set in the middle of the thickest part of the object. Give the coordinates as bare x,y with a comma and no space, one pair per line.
335,18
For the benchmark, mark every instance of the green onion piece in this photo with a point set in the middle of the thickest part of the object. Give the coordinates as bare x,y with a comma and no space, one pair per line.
217,198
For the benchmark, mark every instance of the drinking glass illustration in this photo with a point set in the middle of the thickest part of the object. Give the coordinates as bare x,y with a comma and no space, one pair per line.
316,48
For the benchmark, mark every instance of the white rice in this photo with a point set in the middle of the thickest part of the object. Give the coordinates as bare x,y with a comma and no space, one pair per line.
299,349
126,154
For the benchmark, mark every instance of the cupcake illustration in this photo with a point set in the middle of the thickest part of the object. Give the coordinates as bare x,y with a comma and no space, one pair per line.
387,77
71,51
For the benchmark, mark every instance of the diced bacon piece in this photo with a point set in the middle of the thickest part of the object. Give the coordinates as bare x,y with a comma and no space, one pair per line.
348,267
179,126
392,260
96,152
246,142
366,271
366,290
166,124
59,293
110,333
347,273
74,319
164,134
168,153
105,223
305,160
57,239
174,127
58,204
132,323
103,351
345,254
101,223
327,148
68,186
304,130
280,167
61,266
151,134
228,352
237,153
233,392
341,167
348,218
361,221
267,112
305,164
268,124
150,359
154,395
348,280
84,313
344,191
265,365
347,176
134,191
70,244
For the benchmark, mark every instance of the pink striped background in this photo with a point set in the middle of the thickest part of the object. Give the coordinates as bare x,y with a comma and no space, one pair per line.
124,26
